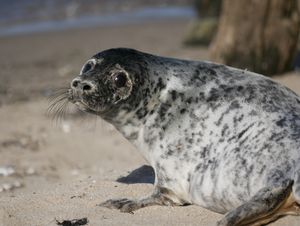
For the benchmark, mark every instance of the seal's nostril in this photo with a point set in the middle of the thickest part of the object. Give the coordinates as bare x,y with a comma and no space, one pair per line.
86,87
79,85
75,83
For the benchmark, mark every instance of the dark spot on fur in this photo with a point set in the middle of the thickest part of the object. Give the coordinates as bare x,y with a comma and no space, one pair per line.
244,131
163,110
240,88
141,113
253,113
281,122
225,127
201,95
213,95
174,95
160,84
189,100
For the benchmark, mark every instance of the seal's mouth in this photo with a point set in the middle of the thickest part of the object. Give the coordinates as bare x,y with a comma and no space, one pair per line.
73,97
77,99
90,103
86,103
59,100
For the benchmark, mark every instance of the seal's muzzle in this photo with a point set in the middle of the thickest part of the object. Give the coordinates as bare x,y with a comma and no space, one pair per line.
82,86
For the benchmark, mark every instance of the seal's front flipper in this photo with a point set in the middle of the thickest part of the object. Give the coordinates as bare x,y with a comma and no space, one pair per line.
266,206
161,196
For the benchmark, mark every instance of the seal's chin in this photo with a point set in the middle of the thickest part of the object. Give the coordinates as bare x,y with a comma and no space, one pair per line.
80,104
85,107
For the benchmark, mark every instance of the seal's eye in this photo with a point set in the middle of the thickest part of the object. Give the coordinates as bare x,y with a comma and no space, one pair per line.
87,67
120,79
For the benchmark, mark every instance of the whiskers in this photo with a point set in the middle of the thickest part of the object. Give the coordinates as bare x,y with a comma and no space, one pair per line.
59,109
58,104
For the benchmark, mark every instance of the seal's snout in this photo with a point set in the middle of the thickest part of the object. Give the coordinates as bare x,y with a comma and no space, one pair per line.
82,86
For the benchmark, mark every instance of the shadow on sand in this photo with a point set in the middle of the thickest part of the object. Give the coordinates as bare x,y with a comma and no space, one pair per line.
144,174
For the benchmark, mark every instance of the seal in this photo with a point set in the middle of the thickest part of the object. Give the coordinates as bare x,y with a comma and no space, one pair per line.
219,137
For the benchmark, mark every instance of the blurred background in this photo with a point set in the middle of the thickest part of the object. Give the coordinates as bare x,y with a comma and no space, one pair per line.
59,168
52,38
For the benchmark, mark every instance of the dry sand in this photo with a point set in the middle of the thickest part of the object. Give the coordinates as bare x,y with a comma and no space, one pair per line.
65,169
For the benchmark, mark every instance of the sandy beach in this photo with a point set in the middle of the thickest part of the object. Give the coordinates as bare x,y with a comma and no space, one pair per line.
53,171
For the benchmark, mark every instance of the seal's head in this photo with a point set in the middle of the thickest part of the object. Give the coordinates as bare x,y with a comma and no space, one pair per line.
110,82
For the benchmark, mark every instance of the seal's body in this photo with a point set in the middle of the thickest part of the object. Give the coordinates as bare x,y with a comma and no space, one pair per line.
219,137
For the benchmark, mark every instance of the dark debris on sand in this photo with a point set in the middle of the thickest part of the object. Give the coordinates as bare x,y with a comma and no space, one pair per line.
74,222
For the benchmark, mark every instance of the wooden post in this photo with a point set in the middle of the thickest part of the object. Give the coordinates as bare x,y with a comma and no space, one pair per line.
259,35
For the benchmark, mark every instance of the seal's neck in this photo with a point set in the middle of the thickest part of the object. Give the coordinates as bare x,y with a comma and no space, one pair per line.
130,125
153,93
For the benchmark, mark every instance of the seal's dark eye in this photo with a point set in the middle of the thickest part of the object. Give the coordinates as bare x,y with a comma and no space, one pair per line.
120,80
87,68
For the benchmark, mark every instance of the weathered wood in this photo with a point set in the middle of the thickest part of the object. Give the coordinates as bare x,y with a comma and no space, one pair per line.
260,35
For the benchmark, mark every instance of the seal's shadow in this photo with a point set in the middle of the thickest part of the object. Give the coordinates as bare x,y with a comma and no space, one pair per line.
144,174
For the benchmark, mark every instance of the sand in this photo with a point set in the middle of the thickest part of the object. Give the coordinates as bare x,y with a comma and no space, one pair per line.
62,170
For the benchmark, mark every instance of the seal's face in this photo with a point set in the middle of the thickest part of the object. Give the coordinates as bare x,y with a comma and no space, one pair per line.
97,91
107,83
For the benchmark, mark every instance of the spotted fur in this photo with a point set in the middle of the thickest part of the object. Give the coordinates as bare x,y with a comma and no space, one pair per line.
216,136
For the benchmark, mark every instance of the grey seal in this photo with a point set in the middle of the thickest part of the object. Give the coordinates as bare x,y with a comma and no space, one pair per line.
219,137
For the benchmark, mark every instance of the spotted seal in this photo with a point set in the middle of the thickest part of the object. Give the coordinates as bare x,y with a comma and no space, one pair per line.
219,137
